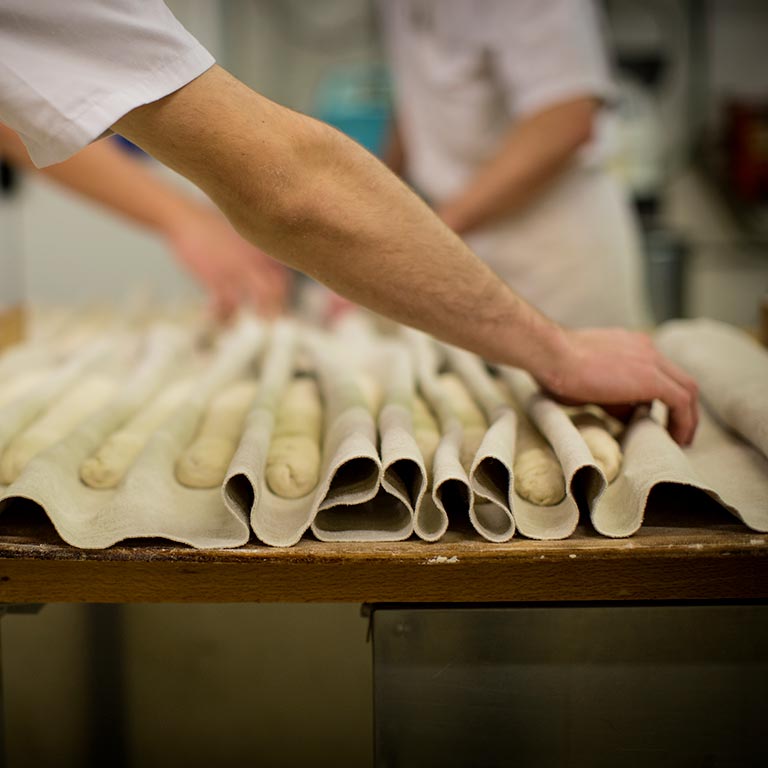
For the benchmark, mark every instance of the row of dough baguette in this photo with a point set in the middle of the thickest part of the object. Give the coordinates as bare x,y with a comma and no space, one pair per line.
64,390
89,395
202,465
293,463
538,474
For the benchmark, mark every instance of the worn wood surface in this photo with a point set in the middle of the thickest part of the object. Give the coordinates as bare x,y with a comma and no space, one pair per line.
679,554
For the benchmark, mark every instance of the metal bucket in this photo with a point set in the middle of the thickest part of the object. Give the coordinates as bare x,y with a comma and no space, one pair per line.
666,262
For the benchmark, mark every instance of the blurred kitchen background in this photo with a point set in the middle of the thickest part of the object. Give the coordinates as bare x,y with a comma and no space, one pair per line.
692,148
289,685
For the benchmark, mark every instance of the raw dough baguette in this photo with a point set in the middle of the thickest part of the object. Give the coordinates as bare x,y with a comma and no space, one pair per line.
538,475
107,467
74,406
204,463
605,450
426,432
293,461
464,408
19,385
86,329
370,391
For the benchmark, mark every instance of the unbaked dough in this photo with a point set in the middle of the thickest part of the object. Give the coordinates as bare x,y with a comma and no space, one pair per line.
293,461
426,432
18,386
538,475
293,466
78,403
371,392
204,463
465,409
107,467
605,450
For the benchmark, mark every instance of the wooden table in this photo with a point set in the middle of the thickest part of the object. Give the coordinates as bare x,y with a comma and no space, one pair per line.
679,554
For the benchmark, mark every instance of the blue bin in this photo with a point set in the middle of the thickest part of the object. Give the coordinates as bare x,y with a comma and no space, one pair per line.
357,102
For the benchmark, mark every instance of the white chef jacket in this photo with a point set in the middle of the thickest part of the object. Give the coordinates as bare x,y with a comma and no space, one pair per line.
70,70
464,71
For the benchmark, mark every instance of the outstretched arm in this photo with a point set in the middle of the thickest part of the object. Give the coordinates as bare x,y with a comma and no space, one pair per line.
231,269
320,203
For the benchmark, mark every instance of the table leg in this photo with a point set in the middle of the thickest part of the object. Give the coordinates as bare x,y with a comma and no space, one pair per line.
108,742
6,608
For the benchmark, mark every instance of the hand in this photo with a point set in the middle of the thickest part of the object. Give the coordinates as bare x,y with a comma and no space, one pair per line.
338,306
231,269
617,369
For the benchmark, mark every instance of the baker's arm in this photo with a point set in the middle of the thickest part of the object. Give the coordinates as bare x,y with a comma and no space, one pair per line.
198,235
533,152
320,203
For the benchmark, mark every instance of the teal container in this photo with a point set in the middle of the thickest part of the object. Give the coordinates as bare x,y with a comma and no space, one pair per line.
357,100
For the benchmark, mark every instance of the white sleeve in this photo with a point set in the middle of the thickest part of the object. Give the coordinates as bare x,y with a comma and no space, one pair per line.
70,70
548,51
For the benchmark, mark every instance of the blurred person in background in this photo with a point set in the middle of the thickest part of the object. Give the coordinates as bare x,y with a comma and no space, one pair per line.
500,123
232,272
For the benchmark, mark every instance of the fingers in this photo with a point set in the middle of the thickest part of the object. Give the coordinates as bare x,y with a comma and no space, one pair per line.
682,414
688,383
674,386
618,369
223,303
680,391
264,291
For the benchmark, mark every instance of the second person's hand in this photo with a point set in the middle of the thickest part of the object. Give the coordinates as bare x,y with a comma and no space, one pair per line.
233,271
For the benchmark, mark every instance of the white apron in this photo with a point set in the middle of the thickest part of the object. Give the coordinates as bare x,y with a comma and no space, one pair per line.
574,253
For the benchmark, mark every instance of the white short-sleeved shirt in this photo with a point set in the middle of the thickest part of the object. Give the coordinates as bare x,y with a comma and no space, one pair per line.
70,70
465,70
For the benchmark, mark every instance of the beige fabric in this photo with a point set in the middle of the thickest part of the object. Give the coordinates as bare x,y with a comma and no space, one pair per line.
107,467
732,371
426,431
717,463
16,416
584,482
386,380
404,469
490,470
342,505
375,484
84,398
276,521
464,408
351,466
451,496
730,368
149,502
